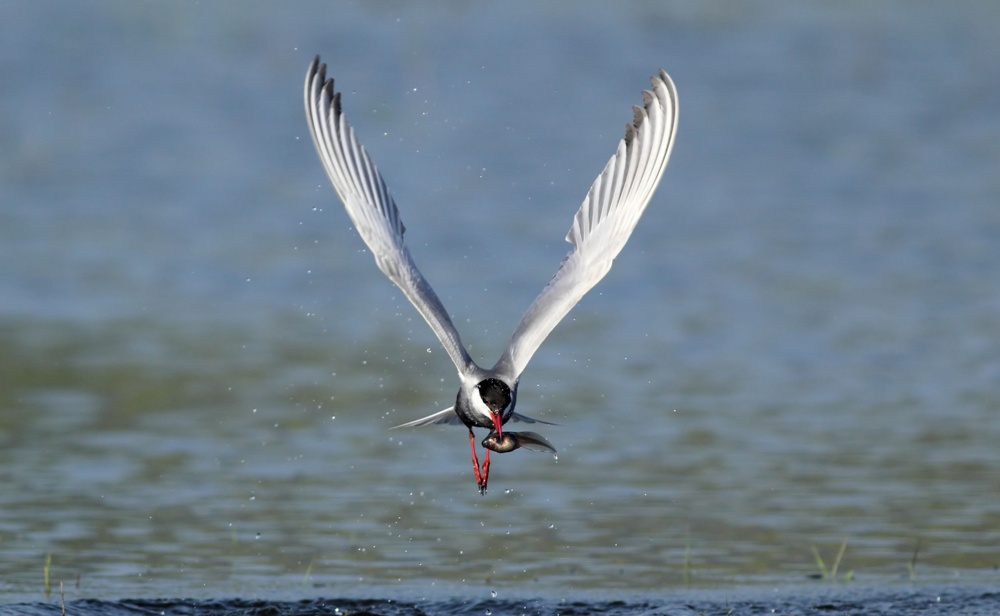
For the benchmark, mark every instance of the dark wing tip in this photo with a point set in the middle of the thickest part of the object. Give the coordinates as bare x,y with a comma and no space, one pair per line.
663,78
317,74
649,98
638,117
317,69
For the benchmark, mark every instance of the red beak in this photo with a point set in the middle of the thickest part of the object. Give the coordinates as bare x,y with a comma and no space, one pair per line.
497,423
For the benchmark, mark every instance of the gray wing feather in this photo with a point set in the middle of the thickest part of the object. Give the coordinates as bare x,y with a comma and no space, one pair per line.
367,200
441,418
604,221
448,417
517,417
535,442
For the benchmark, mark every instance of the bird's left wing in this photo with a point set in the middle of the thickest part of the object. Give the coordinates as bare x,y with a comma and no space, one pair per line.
360,186
604,222
449,417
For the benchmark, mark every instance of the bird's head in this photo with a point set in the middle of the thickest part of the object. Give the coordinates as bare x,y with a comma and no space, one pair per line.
496,395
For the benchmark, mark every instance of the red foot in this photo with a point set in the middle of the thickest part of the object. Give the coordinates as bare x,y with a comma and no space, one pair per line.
485,473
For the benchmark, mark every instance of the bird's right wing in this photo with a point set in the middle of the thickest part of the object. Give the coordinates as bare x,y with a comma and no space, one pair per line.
604,222
441,418
360,186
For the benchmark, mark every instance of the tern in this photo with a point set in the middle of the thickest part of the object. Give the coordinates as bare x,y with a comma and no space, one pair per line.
486,397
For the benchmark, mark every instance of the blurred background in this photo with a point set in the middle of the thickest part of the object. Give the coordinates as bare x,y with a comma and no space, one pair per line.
199,361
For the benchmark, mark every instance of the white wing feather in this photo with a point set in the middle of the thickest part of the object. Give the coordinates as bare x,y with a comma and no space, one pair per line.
367,200
604,222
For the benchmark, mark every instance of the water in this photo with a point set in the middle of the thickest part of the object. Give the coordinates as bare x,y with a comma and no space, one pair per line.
199,362
864,602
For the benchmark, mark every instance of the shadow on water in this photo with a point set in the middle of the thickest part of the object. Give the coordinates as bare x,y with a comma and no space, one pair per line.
856,602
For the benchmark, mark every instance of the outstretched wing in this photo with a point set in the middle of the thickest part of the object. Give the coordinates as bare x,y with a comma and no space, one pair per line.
604,222
534,441
449,417
370,206
441,418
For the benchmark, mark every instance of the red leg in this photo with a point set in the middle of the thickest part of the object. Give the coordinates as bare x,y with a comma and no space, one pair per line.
475,462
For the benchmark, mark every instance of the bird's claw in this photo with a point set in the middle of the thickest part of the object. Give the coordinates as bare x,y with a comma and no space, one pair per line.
484,475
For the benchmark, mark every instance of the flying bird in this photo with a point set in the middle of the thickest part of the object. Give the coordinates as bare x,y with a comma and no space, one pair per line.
486,397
